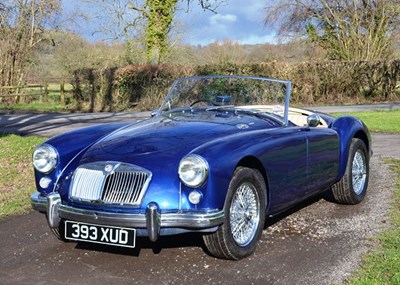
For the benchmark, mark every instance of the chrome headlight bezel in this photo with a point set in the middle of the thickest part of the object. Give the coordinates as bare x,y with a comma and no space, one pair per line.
193,170
45,158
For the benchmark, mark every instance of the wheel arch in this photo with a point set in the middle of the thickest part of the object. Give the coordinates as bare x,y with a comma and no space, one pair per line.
254,163
348,128
364,137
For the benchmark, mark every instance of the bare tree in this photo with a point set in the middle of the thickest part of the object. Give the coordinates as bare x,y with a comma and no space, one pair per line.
24,25
346,29
147,22
225,52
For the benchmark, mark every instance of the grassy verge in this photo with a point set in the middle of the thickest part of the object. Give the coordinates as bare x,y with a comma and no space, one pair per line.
379,121
34,107
383,265
16,172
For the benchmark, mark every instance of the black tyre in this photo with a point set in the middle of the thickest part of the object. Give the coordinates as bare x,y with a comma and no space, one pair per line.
351,189
244,210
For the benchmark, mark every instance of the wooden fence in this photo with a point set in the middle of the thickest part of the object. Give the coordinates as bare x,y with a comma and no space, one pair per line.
33,90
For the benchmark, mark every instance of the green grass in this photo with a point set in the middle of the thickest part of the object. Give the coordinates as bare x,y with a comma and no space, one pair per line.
34,107
16,172
383,265
34,103
379,121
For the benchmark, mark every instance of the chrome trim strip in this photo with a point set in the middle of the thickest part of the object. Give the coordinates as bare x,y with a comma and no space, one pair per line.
189,220
104,218
174,220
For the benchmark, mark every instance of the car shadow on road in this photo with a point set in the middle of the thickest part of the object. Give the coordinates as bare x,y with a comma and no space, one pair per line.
188,240
270,221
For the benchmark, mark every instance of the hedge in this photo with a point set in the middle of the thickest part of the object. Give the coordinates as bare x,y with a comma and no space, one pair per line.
142,87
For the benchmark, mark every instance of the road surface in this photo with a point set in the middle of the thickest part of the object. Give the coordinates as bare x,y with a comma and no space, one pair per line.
316,243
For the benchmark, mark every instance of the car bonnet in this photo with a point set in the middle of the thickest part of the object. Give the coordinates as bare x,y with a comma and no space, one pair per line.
163,134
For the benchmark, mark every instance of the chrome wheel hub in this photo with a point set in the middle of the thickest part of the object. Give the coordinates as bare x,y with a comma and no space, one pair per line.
244,214
359,172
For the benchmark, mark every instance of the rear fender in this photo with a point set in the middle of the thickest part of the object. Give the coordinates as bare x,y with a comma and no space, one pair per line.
349,127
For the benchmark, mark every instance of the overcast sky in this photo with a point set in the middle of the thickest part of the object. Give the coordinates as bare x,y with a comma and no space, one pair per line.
237,20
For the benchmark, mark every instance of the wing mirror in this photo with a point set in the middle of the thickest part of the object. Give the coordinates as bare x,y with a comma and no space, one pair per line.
154,113
313,120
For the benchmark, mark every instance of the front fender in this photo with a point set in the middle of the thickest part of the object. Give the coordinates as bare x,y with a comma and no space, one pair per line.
224,155
70,144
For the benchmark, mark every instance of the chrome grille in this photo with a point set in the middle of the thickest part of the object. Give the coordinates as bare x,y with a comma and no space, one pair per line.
87,184
110,183
124,187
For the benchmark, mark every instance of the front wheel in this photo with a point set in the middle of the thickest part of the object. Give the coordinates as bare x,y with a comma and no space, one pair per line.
351,189
244,210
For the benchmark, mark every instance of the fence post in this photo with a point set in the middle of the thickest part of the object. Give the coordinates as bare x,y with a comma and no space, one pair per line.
41,94
46,92
62,95
18,98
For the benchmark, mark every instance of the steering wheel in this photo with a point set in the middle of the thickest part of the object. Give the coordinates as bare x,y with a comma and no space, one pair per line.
204,100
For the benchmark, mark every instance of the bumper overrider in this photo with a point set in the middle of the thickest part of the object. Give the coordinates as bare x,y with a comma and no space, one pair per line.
151,224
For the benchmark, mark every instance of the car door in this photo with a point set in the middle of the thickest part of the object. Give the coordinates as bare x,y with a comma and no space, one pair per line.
323,158
287,167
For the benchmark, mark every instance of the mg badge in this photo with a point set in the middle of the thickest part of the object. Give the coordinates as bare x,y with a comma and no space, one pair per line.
108,168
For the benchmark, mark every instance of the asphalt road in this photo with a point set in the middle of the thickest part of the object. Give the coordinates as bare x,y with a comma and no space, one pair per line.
317,243
55,123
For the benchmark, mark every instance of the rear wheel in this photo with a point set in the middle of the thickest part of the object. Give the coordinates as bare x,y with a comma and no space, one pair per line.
351,189
244,210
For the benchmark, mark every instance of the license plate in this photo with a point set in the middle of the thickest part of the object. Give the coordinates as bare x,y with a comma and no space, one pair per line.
116,236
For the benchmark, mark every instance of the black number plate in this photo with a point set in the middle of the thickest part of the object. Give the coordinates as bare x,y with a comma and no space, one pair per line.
100,234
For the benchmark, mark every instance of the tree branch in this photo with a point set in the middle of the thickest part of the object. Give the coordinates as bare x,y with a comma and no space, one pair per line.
140,10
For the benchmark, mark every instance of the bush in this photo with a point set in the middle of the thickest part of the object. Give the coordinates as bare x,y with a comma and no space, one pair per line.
143,87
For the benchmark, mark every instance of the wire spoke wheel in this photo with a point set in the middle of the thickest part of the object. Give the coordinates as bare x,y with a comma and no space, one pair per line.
244,209
359,172
244,214
351,189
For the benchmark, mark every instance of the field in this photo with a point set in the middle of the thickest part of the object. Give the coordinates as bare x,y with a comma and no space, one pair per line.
39,99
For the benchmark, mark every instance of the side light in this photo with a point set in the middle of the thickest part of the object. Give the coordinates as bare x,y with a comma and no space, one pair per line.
193,170
195,197
44,182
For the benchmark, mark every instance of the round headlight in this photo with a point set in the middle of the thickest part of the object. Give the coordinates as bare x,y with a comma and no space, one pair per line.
44,158
193,170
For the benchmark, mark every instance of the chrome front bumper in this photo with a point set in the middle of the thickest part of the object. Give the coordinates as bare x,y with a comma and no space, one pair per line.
153,222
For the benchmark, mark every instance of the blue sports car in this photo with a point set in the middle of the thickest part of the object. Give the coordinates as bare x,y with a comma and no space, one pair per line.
220,155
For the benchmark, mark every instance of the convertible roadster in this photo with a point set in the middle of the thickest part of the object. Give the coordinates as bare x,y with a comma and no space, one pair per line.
222,154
